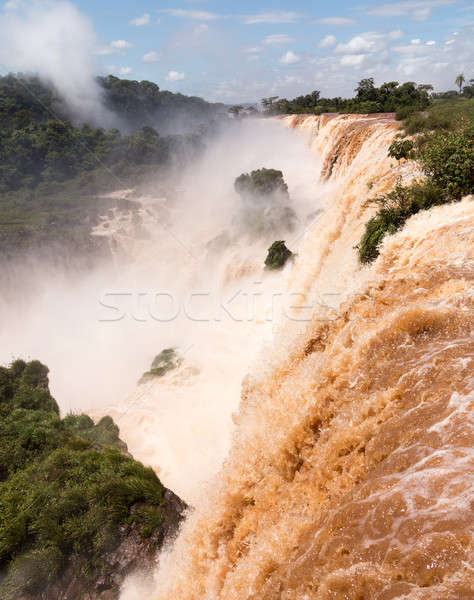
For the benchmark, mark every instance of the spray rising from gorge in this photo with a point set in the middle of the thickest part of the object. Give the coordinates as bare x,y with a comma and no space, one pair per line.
347,476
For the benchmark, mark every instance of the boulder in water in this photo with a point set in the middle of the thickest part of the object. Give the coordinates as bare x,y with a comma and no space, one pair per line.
277,255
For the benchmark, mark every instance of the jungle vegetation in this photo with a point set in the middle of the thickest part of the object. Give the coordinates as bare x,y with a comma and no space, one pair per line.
69,493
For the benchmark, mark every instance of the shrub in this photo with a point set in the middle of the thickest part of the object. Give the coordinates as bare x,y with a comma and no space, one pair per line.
448,160
401,149
403,112
396,207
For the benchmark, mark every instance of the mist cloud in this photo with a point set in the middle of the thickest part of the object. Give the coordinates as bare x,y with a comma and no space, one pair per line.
56,41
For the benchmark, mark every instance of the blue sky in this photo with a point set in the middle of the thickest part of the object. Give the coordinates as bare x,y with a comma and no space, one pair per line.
242,51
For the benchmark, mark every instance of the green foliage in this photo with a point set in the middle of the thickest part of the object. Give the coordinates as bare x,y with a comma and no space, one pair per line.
448,160
167,360
445,114
265,210
261,182
236,110
396,207
66,490
389,97
277,256
459,81
143,103
401,148
445,151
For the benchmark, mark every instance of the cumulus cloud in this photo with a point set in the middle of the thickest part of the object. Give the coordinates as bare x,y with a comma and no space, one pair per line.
352,60
120,44
336,21
276,16
396,34
140,21
278,38
198,15
430,43
174,76
58,42
151,57
290,58
363,43
252,49
416,41
125,70
418,10
328,40
115,47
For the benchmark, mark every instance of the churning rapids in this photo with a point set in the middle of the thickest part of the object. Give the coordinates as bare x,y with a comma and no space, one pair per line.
350,469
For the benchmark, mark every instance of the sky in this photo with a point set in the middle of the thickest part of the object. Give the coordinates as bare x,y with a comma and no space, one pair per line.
243,51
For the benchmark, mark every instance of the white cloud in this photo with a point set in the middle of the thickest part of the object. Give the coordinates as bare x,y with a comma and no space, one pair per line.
418,10
252,49
120,44
328,40
365,42
416,41
276,16
151,57
352,60
200,29
396,34
430,43
198,15
278,38
174,76
125,70
336,21
290,58
13,5
139,21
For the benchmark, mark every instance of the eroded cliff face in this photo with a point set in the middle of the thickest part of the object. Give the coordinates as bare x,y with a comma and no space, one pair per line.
350,472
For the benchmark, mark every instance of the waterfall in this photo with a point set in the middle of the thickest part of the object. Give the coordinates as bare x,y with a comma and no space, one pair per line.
349,470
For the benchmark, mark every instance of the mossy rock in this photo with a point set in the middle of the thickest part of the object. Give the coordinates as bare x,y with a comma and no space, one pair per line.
167,360
261,182
278,255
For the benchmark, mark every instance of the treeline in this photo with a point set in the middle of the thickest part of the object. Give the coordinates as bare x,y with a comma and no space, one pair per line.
25,99
40,145
389,97
141,103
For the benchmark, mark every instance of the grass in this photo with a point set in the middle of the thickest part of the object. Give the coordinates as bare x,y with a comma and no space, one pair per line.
446,115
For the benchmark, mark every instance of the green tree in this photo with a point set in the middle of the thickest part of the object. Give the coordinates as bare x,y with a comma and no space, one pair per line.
459,81
236,110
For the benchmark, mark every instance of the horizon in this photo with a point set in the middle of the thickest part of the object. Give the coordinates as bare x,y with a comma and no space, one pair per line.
239,55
